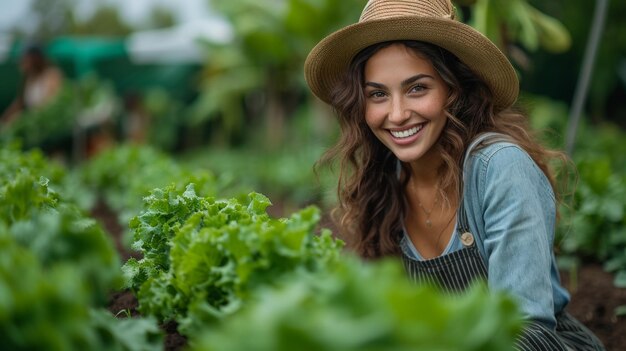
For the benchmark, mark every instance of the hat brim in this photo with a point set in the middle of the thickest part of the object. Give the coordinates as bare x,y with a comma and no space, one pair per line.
327,62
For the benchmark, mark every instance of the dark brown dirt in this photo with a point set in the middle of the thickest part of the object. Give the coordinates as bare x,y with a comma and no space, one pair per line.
594,300
173,340
108,219
123,304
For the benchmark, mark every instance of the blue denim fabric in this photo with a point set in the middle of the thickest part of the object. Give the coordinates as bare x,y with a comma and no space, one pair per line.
511,211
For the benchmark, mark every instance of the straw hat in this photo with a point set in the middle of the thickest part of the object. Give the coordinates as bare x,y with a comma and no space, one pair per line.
431,21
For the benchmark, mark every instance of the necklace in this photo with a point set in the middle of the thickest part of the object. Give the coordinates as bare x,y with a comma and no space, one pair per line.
429,223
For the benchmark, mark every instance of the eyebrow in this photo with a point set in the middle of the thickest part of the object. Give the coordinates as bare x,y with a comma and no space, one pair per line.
404,83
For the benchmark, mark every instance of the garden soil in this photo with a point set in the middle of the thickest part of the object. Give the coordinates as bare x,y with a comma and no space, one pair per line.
594,297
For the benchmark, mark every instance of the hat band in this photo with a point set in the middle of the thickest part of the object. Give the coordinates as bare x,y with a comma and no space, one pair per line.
376,10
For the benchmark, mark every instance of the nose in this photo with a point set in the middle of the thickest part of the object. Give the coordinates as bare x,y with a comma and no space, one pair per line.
398,113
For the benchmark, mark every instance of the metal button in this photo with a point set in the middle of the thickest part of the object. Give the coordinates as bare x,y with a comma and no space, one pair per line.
467,239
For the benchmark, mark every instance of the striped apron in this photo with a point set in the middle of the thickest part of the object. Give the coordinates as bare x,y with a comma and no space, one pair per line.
454,272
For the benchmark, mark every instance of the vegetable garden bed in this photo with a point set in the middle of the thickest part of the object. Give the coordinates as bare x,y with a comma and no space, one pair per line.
210,270
594,297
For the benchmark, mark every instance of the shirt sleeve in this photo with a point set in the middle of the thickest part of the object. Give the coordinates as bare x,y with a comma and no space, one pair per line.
519,214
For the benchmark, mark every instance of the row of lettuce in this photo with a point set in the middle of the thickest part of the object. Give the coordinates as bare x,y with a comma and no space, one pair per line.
57,267
230,275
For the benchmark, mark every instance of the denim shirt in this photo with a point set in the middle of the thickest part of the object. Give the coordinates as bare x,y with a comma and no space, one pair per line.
511,211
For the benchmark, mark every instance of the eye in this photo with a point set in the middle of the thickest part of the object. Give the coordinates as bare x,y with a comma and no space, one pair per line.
417,88
376,94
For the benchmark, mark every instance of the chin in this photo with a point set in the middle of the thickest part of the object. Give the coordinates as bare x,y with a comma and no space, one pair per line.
407,158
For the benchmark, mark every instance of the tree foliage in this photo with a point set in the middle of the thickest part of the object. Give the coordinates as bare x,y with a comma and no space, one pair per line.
258,77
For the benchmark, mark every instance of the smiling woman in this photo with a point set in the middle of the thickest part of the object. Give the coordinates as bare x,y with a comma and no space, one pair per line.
438,168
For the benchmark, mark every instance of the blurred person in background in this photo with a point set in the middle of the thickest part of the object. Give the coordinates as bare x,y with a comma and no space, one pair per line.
136,124
40,83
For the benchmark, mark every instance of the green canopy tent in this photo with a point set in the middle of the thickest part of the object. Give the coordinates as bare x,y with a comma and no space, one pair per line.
80,56
108,58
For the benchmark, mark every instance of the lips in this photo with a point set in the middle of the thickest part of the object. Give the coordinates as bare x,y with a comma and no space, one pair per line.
406,133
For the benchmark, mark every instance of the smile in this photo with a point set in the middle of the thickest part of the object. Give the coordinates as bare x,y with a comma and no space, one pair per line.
407,132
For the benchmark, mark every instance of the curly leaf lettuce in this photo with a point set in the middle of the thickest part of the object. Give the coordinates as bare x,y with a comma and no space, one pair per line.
203,257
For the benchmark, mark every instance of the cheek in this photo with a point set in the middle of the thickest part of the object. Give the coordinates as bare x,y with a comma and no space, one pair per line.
434,108
373,116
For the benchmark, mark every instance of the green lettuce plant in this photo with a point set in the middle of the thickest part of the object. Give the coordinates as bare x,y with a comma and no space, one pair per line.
202,257
364,306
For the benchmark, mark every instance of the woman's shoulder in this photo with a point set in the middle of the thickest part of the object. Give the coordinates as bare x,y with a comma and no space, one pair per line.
500,152
505,162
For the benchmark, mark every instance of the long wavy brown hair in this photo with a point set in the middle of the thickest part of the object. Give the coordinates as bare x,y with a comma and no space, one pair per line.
370,192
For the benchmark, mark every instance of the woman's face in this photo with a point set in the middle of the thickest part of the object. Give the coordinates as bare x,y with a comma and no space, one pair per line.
405,100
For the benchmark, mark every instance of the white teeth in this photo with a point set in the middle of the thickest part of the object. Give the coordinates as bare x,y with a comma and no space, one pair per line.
406,133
